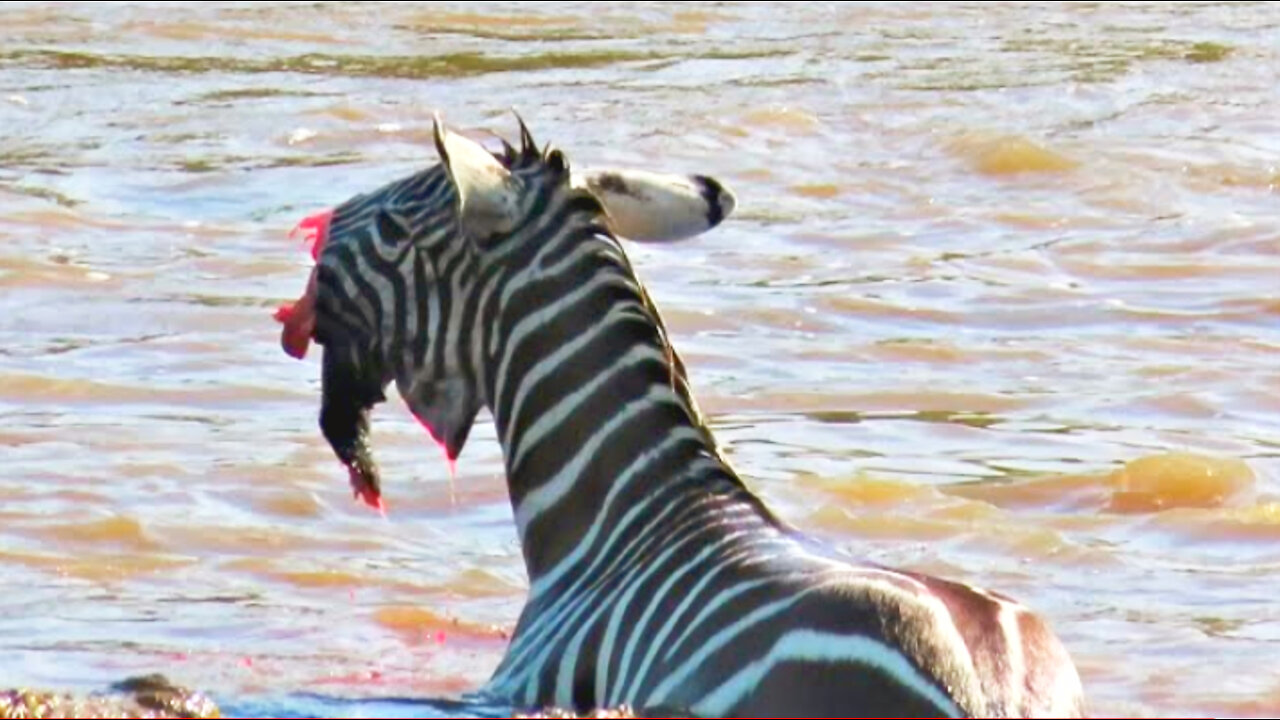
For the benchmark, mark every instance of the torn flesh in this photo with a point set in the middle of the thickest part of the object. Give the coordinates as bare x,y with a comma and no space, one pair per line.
299,318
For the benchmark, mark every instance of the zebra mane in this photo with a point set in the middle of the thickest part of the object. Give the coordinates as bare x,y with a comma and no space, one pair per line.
675,364
528,155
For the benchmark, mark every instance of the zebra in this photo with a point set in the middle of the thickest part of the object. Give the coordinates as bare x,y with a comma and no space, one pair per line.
644,206
657,579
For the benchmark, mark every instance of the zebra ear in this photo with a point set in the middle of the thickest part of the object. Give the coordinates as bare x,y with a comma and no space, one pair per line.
487,192
658,207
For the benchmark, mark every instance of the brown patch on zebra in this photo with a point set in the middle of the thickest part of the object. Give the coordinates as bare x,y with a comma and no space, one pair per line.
977,615
1022,667
1049,678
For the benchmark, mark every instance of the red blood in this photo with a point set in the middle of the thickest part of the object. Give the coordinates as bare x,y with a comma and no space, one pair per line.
440,638
315,231
431,431
363,491
449,459
299,318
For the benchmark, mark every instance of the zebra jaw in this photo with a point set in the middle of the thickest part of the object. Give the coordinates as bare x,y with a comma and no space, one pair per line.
446,409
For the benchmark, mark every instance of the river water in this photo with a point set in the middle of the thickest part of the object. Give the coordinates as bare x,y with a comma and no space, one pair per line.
1001,301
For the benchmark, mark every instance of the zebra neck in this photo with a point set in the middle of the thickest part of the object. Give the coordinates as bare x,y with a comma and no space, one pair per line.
597,425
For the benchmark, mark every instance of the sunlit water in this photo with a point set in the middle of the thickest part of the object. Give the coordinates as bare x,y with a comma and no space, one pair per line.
986,255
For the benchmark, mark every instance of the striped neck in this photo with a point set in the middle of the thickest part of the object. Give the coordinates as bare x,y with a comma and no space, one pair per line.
591,406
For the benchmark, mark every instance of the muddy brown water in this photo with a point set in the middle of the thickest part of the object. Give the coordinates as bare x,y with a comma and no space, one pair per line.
1002,301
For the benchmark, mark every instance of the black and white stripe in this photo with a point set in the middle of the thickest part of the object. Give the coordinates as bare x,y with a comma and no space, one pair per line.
657,579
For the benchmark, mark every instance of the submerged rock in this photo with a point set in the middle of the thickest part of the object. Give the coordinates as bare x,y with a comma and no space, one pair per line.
151,696
154,697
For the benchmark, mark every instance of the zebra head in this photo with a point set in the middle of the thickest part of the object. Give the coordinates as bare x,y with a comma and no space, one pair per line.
398,292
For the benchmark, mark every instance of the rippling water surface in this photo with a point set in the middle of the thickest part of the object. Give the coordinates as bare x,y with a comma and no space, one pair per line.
1002,301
